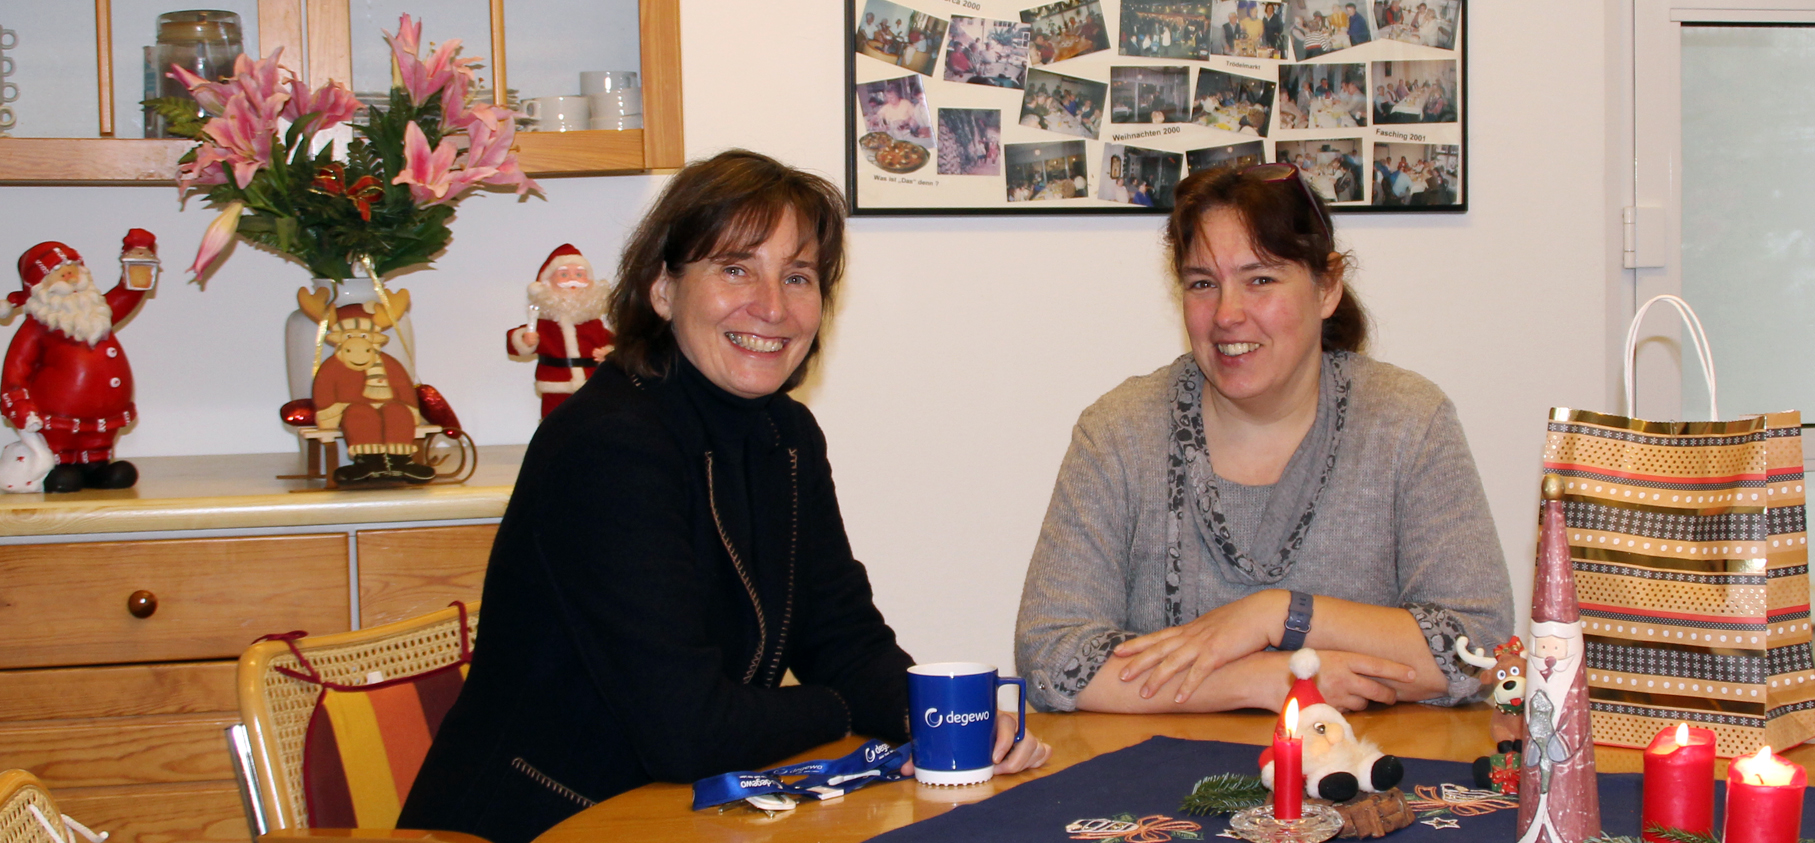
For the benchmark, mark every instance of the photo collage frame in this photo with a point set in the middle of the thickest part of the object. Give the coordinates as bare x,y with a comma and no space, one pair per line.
1103,106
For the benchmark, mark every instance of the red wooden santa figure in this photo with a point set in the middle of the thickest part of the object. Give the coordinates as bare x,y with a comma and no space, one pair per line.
65,373
567,333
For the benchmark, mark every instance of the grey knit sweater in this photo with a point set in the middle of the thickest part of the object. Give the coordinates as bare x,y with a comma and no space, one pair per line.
1403,522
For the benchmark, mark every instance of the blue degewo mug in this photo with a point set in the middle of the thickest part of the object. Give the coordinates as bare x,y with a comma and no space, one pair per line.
953,709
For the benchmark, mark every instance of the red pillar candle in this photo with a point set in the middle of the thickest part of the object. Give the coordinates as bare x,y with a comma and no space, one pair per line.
1288,768
1679,781
1764,799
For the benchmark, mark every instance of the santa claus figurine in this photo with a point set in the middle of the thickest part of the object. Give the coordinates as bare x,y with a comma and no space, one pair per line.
65,374
1559,794
567,332
1337,764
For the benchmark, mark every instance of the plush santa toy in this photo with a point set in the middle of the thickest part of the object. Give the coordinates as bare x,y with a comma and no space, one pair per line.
568,335
1337,765
65,374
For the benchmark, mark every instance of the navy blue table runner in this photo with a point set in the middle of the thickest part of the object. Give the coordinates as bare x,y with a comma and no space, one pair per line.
1151,779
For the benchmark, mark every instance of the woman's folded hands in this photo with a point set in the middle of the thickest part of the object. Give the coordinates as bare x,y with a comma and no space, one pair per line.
1198,648
1234,631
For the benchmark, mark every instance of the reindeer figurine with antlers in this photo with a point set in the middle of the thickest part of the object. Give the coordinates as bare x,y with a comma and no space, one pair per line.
366,393
1505,673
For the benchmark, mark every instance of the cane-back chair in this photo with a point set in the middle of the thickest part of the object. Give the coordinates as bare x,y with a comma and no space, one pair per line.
348,717
28,814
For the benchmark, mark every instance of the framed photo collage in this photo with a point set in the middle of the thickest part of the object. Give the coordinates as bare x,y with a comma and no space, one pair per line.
1103,106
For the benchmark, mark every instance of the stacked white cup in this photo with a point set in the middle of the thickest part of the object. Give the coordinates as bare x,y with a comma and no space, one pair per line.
614,98
558,114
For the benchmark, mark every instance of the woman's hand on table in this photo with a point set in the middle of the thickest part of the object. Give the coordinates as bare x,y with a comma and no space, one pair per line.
1010,757
1349,681
1199,648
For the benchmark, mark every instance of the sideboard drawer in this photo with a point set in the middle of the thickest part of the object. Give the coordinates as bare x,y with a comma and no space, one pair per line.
167,813
116,751
79,692
417,570
67,604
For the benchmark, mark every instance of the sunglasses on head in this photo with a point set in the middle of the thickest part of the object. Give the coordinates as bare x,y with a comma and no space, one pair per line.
1283,171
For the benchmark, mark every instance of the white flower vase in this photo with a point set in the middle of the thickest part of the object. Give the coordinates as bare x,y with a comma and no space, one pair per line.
300,334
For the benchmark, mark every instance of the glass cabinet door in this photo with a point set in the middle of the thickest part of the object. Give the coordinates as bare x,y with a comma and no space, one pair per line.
60,124
468,20
52,76
48,58
562,50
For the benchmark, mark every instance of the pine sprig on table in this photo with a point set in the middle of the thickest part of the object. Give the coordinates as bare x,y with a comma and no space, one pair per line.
1677,835
1670,835
1224,794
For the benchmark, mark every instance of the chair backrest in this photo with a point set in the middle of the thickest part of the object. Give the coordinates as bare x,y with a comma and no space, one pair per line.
20,792
277,699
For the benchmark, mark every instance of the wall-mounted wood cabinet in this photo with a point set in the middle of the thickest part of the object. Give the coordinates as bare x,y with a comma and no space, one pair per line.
321,33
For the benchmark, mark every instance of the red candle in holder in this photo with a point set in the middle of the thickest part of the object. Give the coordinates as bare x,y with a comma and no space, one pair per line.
1288,768
1764,799
1679,781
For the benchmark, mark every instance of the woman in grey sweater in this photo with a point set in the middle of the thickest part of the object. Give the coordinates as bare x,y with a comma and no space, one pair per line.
1272,489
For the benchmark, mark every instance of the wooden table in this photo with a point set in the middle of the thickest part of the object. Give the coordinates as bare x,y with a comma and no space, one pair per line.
661,812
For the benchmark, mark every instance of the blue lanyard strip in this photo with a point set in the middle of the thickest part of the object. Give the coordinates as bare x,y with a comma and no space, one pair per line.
871,763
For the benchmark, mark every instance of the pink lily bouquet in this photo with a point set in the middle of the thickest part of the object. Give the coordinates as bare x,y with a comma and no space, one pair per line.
386,204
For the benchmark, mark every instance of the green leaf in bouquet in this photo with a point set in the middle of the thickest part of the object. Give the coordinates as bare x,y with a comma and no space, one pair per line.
328,225
296,128
180,115
254,193
286,233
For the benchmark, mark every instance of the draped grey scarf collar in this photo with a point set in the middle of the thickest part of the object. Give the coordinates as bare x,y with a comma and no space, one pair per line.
1192,494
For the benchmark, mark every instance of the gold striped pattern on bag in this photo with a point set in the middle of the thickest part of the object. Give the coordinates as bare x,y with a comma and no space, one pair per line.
1691,565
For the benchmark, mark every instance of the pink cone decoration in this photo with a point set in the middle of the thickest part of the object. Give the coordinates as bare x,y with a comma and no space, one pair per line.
1558,798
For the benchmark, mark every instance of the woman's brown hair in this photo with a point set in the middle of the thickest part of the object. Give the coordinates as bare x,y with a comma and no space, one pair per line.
729,203
1285,221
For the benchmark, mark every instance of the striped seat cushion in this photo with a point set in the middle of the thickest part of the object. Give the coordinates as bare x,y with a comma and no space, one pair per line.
365,745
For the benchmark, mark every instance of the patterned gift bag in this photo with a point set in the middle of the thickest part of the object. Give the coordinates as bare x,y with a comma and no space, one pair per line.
1691,565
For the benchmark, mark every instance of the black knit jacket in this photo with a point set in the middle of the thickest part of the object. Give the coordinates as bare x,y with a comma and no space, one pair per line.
670,550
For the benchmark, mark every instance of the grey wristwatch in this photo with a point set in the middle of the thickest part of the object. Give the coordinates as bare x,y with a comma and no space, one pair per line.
1298,621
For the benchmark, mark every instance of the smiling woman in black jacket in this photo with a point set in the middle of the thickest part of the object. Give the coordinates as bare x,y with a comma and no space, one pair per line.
674,543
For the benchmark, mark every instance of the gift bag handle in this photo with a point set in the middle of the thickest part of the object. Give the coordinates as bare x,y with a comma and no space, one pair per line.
1697,336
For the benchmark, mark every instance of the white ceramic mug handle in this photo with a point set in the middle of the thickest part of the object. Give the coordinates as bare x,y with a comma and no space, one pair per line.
533,109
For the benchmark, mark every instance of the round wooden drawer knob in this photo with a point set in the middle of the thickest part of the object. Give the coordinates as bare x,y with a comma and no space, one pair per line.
141,604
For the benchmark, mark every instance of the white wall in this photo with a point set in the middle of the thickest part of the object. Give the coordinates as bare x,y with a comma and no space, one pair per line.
963,347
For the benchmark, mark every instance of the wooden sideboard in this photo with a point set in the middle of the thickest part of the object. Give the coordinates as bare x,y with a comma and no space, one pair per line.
123,716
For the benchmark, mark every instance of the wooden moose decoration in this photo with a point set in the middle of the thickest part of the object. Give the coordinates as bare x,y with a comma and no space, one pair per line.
366,393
